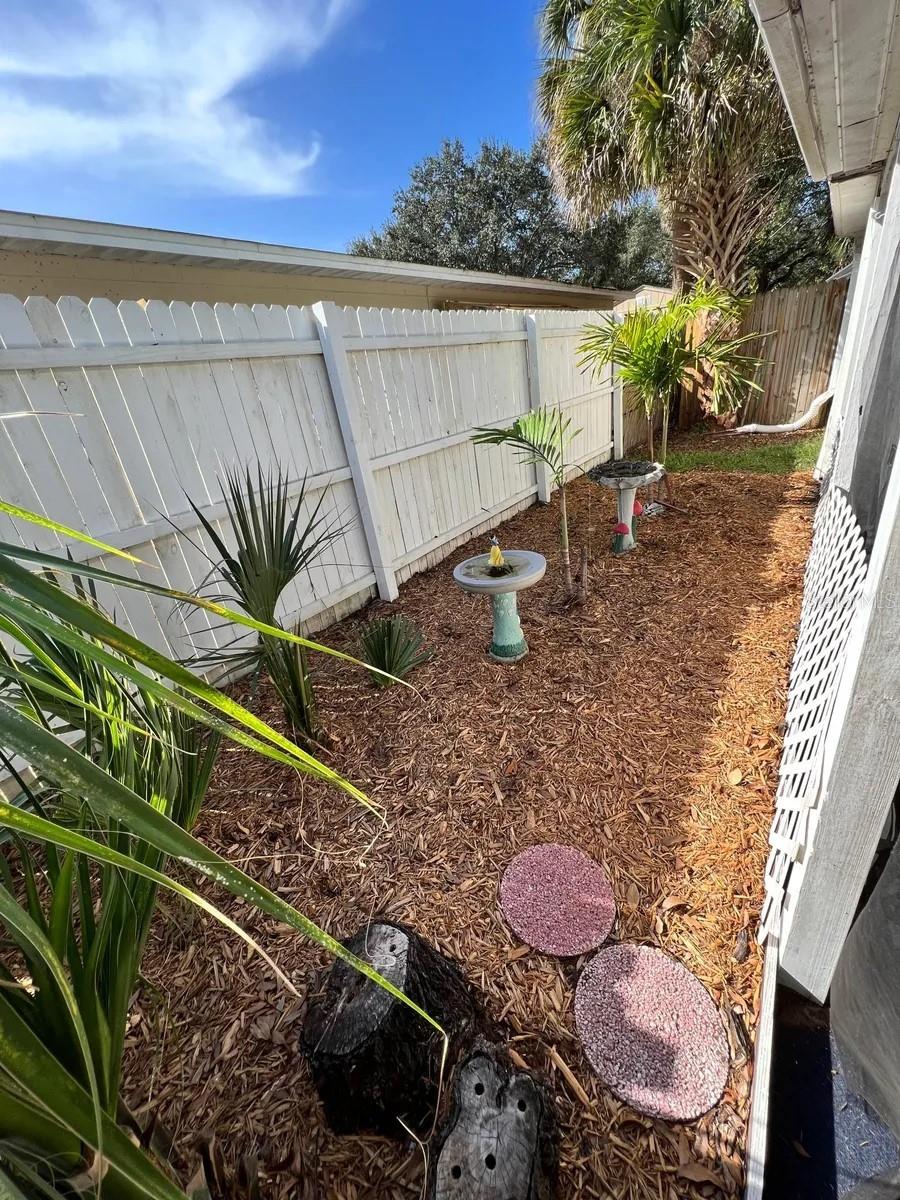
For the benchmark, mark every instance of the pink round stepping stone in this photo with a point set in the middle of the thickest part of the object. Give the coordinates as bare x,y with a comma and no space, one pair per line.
557,900
651,1031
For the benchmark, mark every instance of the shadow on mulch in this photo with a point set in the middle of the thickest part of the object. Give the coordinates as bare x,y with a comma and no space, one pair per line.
642,728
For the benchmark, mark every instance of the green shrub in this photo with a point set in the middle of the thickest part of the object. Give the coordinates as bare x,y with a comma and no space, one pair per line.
393,644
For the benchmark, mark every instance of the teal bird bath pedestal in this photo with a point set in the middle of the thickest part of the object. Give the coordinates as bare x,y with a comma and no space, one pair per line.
476,575
625,476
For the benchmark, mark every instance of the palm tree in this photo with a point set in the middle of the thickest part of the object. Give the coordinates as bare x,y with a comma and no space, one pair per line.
659,350
541,436
672,95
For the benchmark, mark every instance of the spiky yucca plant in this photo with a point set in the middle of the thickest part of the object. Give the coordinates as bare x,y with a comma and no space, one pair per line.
112,730
98,919
274,543
393,644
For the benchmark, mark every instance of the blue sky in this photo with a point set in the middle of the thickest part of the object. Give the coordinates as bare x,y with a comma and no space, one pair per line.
284,120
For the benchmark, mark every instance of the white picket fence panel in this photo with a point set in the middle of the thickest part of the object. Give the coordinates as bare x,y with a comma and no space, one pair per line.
153,401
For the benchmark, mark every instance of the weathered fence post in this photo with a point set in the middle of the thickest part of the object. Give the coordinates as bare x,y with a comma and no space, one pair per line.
533,353
329,323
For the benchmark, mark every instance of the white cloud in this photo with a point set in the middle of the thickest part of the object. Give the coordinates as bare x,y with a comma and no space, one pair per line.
153,89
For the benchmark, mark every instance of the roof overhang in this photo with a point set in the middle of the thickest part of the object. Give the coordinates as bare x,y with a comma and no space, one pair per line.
838,66
129,243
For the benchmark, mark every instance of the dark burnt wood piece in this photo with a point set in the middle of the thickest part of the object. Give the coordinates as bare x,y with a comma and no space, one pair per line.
374,1061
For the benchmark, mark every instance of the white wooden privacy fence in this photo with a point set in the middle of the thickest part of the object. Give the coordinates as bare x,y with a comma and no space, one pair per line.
376,407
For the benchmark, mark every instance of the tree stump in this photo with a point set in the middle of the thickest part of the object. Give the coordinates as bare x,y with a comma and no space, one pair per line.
374,1061
499,1141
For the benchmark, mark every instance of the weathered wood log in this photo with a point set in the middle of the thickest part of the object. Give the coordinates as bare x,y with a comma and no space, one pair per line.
499,1140
374,1061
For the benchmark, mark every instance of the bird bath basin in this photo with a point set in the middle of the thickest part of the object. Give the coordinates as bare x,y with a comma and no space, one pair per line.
625,476
521,569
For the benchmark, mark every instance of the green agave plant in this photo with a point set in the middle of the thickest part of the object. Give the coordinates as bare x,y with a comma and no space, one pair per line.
119,741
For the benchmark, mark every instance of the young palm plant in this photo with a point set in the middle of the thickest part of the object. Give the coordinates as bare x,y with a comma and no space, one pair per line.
112,731
658,350
541,436
274,544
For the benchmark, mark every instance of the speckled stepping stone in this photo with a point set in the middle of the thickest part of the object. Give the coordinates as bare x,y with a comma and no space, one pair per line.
651,1031
557,900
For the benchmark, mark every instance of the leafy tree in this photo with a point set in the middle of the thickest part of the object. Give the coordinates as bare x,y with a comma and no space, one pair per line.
625,248
497,211
672,95
797,246
494,212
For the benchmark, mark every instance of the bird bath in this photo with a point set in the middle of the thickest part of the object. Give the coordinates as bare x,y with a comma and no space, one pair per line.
625,476
519,569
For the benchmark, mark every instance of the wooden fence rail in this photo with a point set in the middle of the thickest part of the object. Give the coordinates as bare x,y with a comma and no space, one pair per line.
152,402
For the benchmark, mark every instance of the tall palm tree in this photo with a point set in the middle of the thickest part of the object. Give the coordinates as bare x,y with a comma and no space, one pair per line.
672,95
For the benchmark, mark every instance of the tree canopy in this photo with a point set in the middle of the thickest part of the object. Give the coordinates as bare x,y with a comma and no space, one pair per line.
797,246
497,211
674,95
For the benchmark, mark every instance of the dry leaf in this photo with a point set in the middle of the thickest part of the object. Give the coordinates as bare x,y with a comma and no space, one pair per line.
633,896
673,902
697,1173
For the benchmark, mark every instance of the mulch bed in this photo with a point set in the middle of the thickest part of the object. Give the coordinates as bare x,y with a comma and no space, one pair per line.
642,728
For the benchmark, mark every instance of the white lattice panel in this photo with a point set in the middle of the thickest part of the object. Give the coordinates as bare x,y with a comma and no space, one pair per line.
832,585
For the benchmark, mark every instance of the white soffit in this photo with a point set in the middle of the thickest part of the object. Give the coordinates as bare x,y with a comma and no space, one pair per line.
838,66
851,200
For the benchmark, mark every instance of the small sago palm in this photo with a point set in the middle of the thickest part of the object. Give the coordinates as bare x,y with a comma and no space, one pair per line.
656,351
541,436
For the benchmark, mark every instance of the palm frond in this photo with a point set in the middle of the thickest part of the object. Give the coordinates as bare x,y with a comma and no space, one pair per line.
540,435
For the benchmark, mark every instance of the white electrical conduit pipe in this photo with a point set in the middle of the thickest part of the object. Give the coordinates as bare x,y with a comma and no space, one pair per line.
793,426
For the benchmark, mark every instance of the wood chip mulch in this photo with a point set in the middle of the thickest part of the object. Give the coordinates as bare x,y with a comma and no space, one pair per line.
643,728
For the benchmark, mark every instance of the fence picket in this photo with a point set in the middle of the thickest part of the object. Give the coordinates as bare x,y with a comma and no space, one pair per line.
376,405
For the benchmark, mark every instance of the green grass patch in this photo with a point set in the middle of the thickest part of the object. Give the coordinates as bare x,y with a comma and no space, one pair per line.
776,458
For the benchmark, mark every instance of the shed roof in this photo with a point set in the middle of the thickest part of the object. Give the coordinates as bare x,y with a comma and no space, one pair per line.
131,243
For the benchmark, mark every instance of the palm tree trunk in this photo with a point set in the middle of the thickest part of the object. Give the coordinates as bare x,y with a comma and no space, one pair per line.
713,226
666,404
681,274
650,434
564,540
